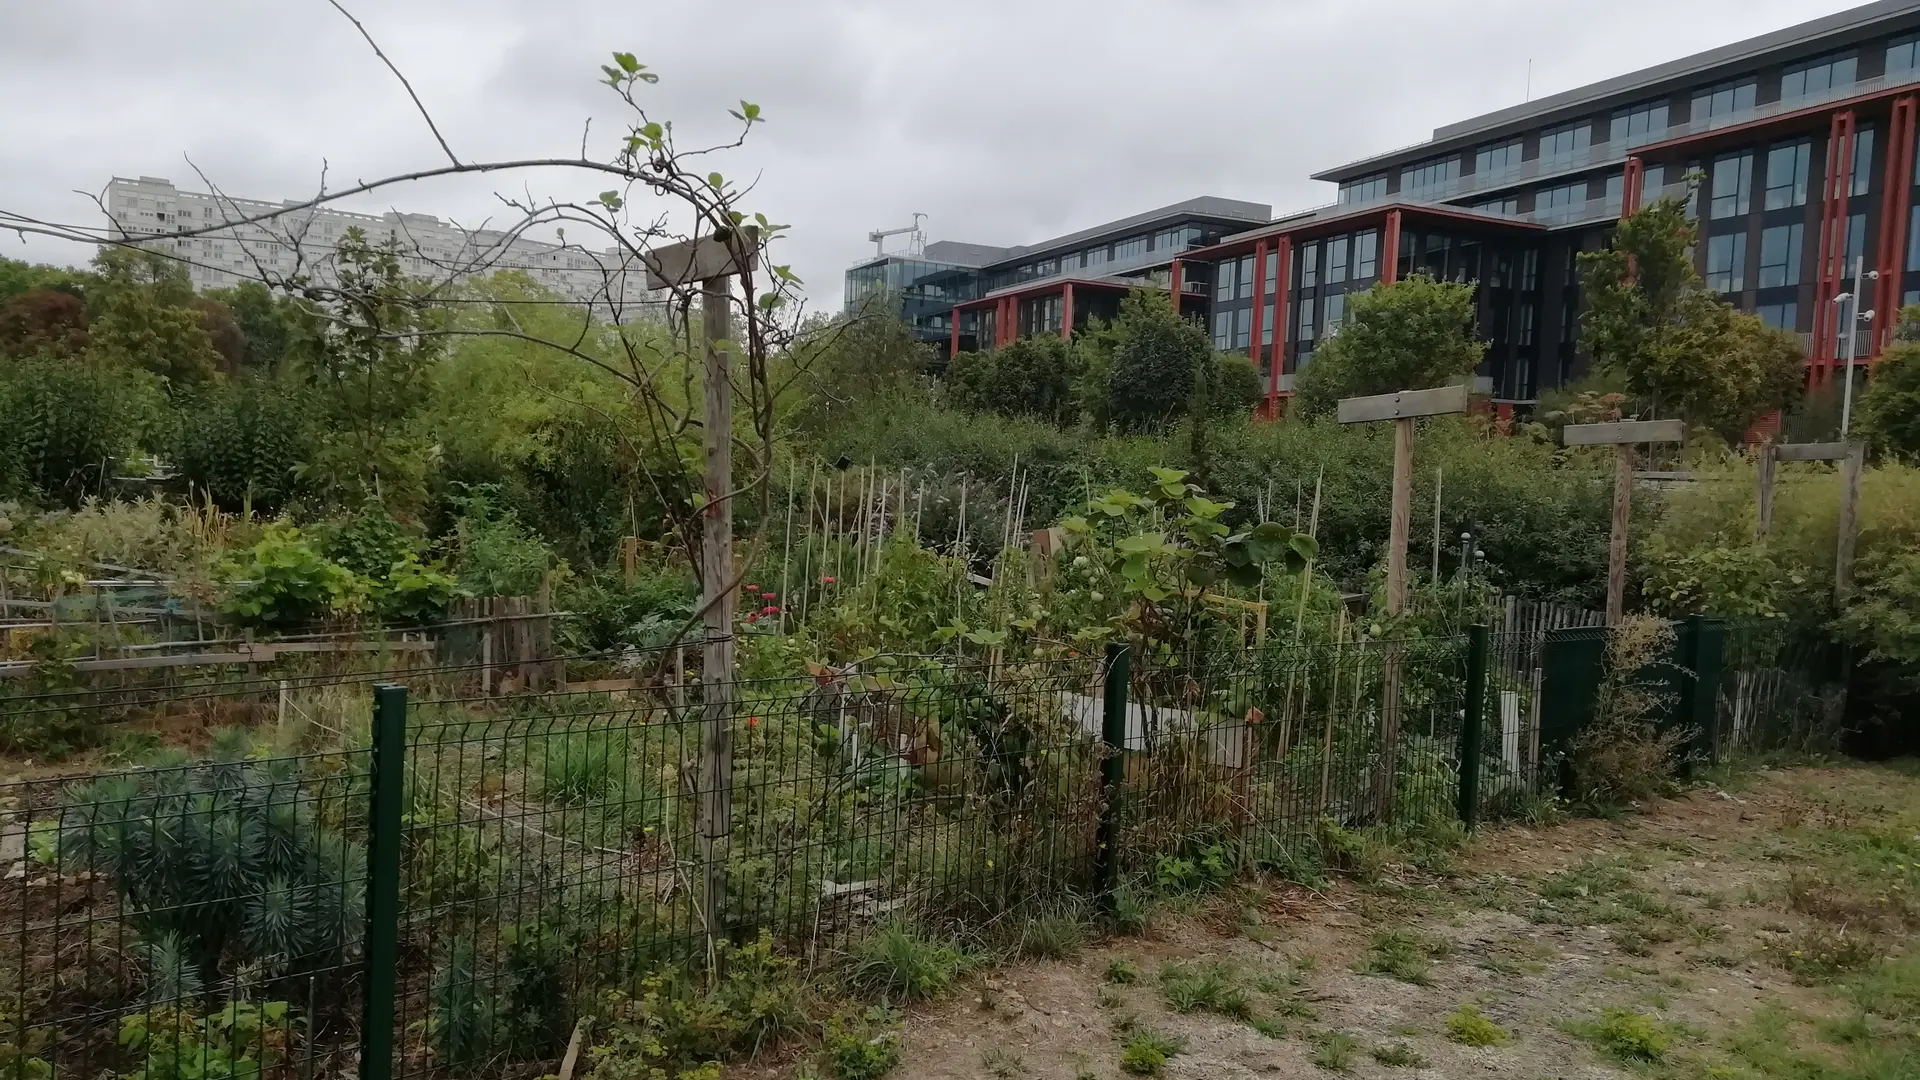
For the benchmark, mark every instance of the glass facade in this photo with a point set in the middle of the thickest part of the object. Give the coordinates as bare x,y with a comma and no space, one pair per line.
1724,100
1787,174
1732,186
1637,125
1428,175
1498,160
1817,76
1562,143
1365,189
1727,262
1780,255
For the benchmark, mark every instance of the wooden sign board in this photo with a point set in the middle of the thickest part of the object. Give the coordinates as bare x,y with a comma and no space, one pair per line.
689,262
1625,433
1814,451
1404,405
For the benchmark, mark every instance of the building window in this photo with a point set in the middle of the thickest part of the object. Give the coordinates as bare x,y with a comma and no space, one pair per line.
1336,311
1562,143
1526,325
1856,241
1272,278
1779,316
1732,185
1266,325
1309,267
1507,207
1306,319
1246,276
1365,189
1366,255
1223,281
1726,262
1722,101
1903,56
1530,269
1243,328
1336,263
1096,256
1862,160
1222,330
1497,160
1131,248
1787,175
1780,255
1428,175
1817,76
1554,202
1913,238
1070,262
1639,124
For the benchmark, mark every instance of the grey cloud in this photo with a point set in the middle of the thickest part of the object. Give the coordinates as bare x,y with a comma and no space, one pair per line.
1005,120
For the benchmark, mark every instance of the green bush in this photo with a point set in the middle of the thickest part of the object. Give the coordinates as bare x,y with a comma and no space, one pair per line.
1034,376
242,1040
1469,1027
494,554
1156,357
242,444
66,426
283,581
903,965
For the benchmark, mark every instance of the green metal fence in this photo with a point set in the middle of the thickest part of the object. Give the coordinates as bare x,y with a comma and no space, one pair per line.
405,881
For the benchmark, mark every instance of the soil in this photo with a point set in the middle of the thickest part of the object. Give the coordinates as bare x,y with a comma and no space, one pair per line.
1705,875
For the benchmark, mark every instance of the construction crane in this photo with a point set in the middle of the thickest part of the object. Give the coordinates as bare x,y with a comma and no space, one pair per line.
916,240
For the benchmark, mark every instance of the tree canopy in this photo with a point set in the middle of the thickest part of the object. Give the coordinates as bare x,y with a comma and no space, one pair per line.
1681,350
1890,407
1408,335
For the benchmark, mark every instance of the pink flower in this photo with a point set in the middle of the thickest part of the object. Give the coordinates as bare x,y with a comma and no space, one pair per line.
770,609
768,595
826,581
753,721
752,588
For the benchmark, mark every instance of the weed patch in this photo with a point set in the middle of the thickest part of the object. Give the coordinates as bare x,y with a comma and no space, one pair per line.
1146,1053
1468,1026
898,963
1398,1055
1403,955
1334,1050
1628,1036
1204,987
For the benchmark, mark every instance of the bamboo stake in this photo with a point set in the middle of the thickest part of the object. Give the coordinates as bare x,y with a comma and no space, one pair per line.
1438,476
1333,705
786,551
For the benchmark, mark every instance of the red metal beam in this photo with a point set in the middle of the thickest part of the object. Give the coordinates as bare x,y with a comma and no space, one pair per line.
1174,274
1895,204
1066,312
1390,248
1259,301
1835,188
1632,180
1282,272
954,349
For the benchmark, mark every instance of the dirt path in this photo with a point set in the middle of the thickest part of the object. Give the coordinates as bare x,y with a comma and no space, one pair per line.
1679,914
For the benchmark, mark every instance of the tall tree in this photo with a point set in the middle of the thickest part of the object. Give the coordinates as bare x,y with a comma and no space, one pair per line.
144,317
1155,358
1409,335
1890,408
1681,350
43,320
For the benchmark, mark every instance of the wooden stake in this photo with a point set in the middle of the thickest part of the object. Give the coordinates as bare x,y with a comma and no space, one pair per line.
1402,520
1850,474
1438,478
786,550
715,808
1617,539
1763,518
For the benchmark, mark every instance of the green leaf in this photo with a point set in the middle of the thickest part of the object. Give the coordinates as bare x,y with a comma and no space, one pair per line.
652,131
716,181
1201,506
627,62
751,110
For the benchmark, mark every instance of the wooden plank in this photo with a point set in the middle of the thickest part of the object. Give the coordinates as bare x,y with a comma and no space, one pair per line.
1624,432
1617,539
703,260
1812,451
1849,520
1407,403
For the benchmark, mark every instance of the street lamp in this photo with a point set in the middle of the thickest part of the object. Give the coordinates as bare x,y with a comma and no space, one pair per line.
1861,275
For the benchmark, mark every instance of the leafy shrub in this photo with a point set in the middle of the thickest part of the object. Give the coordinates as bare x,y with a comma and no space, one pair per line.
230,859
863,1047
494,554
1469,1027
242,444
65,427
1623,756
898,963
283,581
1156,356
1890,407
1630,1036
1414,333
1034,376
240,1041
677,1028
607,613
1236,384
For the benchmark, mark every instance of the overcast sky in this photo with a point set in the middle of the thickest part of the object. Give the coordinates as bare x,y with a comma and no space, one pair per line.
1005,121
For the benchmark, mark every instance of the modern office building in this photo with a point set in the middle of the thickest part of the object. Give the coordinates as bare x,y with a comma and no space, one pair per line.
973,296
299,238
1803,139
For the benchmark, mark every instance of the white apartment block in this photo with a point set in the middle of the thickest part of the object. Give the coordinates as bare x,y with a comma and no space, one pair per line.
152,207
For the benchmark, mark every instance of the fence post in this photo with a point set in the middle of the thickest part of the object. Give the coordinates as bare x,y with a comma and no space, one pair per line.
383,880
1706,656
1113,767
1472,724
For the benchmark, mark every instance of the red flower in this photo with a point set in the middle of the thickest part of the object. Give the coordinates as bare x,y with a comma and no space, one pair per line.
770,609
753,721
752,588
755,617
768,595
826,581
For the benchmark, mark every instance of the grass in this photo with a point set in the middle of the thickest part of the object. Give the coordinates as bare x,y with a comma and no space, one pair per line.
1204,987
1271,1028
1403,955
1468,1026
1146,1053
580,766
1052,936
1398,1055
1335,1050
1628,1036
1003,1063
1122,971
898,963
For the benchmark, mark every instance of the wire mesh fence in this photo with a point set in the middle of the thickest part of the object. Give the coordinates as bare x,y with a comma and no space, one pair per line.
228,903
1779,688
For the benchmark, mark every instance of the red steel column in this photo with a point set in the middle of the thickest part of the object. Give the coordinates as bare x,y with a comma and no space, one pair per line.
1632,180
1066,311
1259,300
1835,188
1282,271
1177,283
954,349
1895,204
1390,249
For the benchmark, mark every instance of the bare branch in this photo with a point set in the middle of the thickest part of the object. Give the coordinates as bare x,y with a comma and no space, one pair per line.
424,114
